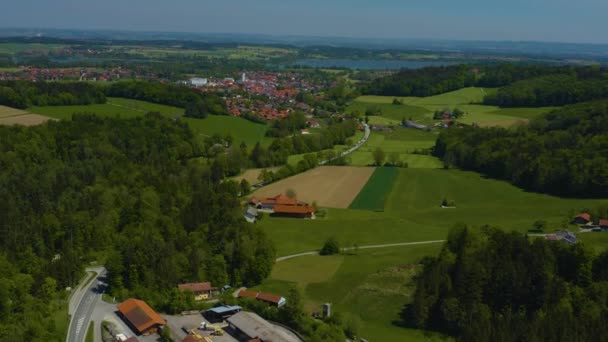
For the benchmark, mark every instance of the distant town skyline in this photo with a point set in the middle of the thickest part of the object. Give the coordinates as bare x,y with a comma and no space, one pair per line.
517,20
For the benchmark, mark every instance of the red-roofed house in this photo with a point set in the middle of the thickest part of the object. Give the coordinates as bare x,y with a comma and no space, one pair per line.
266,297
604,223
300,211
271,202
142,318
582,218
201,291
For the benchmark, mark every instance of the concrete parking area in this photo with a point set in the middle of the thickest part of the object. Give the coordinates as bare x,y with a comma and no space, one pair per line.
176,323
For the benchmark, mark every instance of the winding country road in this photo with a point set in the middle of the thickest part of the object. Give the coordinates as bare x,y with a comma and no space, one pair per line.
283,258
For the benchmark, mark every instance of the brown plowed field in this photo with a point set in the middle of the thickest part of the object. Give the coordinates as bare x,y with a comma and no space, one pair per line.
329,186
13,116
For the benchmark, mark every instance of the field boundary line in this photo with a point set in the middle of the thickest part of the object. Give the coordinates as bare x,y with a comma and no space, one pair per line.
283,258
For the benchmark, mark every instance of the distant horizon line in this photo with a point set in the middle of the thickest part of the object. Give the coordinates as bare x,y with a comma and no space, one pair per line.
297,36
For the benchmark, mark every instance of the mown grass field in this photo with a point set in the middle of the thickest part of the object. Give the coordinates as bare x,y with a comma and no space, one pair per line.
240,129
374,193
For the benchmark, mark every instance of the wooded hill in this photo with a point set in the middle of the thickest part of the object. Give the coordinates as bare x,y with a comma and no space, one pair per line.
130,192
564,152
498,286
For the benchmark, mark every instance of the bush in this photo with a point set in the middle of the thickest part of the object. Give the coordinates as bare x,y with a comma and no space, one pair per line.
330,247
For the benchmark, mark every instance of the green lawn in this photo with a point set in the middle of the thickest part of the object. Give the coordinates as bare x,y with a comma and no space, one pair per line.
371,285
90,333
374,193
240,129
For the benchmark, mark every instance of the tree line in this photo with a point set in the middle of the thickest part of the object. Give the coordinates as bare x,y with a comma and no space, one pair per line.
23,94
196,103
131,192
552,90
564,152
498,286
437,80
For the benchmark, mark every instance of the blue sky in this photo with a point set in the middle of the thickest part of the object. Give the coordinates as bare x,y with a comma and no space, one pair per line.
547,20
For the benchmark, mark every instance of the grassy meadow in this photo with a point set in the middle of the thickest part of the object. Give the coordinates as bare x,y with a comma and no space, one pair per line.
404,142
421,109
413,213
369,286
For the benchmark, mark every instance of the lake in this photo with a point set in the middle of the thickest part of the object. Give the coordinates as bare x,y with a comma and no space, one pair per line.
369,64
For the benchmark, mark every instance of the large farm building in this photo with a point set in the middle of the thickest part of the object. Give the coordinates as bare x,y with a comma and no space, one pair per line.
282,205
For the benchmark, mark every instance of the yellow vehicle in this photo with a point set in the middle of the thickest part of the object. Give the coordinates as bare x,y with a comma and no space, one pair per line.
218,332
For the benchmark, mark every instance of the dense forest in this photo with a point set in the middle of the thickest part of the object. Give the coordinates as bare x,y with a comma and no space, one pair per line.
127,193
22,94
564,152
499,286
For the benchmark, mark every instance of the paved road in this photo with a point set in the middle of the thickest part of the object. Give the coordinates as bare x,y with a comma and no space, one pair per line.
83,303
363,247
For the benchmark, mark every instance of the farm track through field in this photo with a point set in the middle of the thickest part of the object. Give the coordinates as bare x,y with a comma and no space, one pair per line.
283,258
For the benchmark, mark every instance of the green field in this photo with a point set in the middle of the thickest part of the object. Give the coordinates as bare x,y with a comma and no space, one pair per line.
370,285
413,213
240,129
19,47
119,107
374,193
373,284
421,108
403,141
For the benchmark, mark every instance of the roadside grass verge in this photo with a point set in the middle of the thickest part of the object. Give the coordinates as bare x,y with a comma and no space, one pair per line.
374,194
90,333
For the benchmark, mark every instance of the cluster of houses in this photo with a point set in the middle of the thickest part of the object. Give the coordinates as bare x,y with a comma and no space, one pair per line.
279,90
241,325
585,220
279,205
